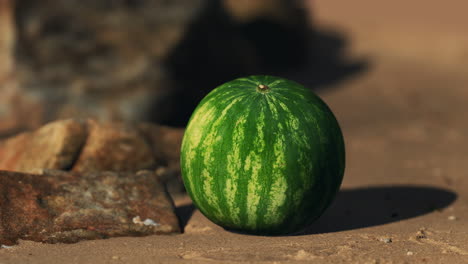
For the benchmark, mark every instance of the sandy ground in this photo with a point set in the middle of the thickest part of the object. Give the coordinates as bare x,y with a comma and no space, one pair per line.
405,194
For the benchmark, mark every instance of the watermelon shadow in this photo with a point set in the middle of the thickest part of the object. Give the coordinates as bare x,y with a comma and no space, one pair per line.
373,206
184,213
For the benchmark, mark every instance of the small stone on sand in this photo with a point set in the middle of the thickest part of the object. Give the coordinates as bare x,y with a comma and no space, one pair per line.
386,240
421,234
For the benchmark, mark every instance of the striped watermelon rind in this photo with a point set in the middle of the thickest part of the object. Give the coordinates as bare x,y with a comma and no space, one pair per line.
262,155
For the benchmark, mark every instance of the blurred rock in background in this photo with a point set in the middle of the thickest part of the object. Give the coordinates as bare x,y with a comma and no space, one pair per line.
7,36
140,60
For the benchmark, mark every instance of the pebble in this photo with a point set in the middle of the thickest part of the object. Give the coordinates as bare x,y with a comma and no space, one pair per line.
386,240
421,234
409,253
452,218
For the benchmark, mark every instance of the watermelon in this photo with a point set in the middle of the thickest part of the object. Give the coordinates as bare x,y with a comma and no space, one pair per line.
262,155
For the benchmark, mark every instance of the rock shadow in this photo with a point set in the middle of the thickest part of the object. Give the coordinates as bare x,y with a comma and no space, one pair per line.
373,206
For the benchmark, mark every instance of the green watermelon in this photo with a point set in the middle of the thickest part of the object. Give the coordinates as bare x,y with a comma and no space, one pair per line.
262,155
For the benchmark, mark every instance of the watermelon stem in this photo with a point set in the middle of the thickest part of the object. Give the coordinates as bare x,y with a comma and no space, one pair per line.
262,88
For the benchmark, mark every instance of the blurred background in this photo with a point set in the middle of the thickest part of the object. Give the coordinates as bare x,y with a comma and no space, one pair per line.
142,60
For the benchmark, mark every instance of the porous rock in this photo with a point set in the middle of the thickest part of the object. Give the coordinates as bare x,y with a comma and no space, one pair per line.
166,142
90,146
67,207
115,147
53,146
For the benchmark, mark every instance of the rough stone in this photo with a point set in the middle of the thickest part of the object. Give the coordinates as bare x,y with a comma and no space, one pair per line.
58,206
89,146
130,60
166,142
19,111
53,146
7,39
114,147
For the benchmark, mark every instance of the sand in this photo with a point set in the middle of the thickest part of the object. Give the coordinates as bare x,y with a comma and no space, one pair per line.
404,198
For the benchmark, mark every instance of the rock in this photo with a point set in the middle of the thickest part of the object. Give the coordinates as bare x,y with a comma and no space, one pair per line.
67,207
89,146
86,146
166,142
54,146
19,111
114,147
7,39
386,239
130,60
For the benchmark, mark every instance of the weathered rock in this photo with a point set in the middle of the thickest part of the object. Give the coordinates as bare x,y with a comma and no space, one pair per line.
129,60
89,146
18,111
115,147
166,142
53,146
92,146
7,39
67,207
100,60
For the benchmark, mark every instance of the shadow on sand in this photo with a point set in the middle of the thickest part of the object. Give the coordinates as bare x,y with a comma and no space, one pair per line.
184,213
367,207
373,206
